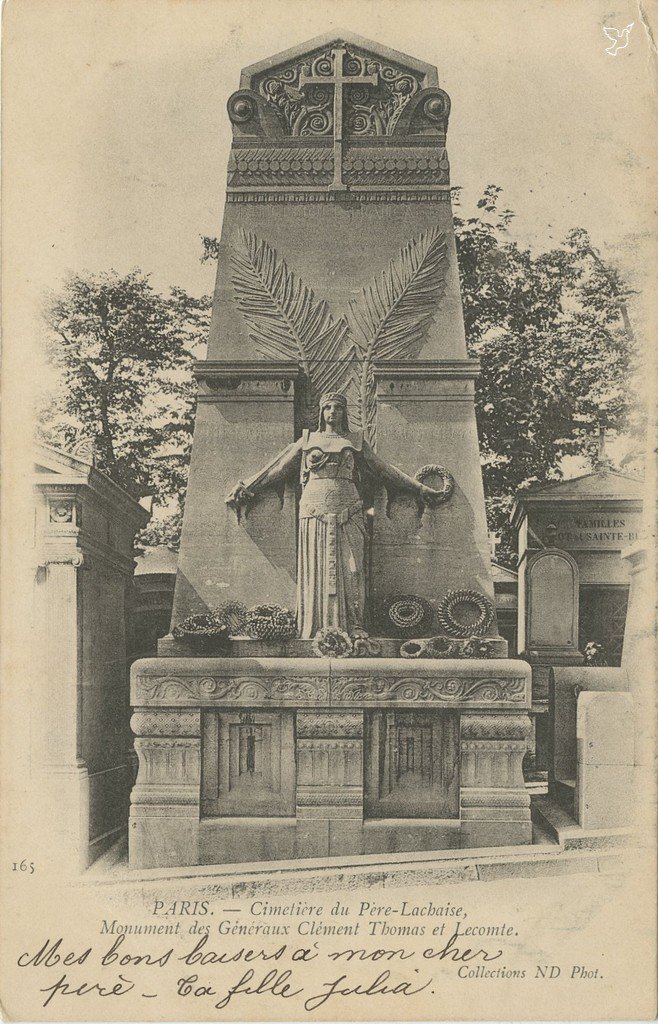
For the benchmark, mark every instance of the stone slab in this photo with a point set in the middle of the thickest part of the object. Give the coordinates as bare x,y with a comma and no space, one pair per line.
495,833
605,796
306,682
230,840
163,841
604,729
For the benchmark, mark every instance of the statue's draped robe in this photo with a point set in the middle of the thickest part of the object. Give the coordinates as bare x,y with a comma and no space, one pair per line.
331,589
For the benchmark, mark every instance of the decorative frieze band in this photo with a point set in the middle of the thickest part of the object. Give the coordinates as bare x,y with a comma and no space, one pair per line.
318,723
416,194
370,690
495,727
313,165
420,165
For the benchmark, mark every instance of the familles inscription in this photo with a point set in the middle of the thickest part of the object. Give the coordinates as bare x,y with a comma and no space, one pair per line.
605,530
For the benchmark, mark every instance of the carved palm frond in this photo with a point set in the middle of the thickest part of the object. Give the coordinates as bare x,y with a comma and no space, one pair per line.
390,317
285,319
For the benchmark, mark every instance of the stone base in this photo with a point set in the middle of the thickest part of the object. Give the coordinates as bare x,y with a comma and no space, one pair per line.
246,647
257,759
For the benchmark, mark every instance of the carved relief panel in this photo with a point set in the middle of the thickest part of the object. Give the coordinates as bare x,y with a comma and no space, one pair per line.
248,764
412,766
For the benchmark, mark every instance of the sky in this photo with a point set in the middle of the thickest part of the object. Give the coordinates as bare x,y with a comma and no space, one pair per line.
116,133
116,137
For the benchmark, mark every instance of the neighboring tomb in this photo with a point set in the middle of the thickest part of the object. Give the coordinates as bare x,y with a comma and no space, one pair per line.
85,526
586,523
593,517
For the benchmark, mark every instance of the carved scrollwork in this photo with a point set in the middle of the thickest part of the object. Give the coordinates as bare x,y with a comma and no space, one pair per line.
241,107
451,690
183,690
373,108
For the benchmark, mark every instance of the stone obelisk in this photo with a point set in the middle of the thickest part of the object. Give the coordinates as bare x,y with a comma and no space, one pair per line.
337,270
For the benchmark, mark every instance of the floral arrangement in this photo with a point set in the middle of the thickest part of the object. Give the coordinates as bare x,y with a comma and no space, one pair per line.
594,654
270,622
447,647
332,642
234,615
203,628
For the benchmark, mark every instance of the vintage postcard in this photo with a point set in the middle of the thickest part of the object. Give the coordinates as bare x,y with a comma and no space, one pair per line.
328,510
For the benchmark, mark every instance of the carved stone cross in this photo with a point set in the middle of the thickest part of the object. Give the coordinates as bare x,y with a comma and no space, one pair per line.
338,80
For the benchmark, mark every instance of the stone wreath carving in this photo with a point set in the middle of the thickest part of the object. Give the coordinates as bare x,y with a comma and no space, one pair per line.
465,613
407,615
431,472
386,322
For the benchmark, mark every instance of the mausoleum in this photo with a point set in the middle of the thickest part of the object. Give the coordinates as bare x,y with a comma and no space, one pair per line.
333,682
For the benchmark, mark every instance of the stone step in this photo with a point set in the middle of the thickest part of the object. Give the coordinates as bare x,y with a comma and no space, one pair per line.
562,828
543,859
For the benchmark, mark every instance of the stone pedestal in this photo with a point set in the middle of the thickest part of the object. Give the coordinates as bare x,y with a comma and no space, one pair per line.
495,806
605,754
248,759
582,740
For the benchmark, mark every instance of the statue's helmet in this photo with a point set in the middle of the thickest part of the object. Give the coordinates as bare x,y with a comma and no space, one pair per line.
333,396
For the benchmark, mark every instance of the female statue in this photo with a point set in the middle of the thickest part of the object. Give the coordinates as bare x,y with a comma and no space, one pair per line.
334,462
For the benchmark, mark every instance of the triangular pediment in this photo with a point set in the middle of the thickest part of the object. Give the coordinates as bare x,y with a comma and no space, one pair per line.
49,461
309,51
590,486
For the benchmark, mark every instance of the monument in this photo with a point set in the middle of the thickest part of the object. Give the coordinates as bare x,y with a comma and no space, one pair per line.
351,694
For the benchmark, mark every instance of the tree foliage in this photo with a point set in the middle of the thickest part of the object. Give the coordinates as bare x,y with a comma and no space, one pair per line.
123,354
552,332
550,328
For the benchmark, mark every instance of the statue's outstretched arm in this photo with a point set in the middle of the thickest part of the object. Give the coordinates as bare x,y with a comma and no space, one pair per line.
279,468
395,476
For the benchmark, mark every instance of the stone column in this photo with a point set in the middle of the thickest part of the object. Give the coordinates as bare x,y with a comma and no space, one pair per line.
495,805
85,529
329,783
64,783
165,801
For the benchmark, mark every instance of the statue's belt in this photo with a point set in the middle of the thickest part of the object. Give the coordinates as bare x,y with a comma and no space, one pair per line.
333,520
